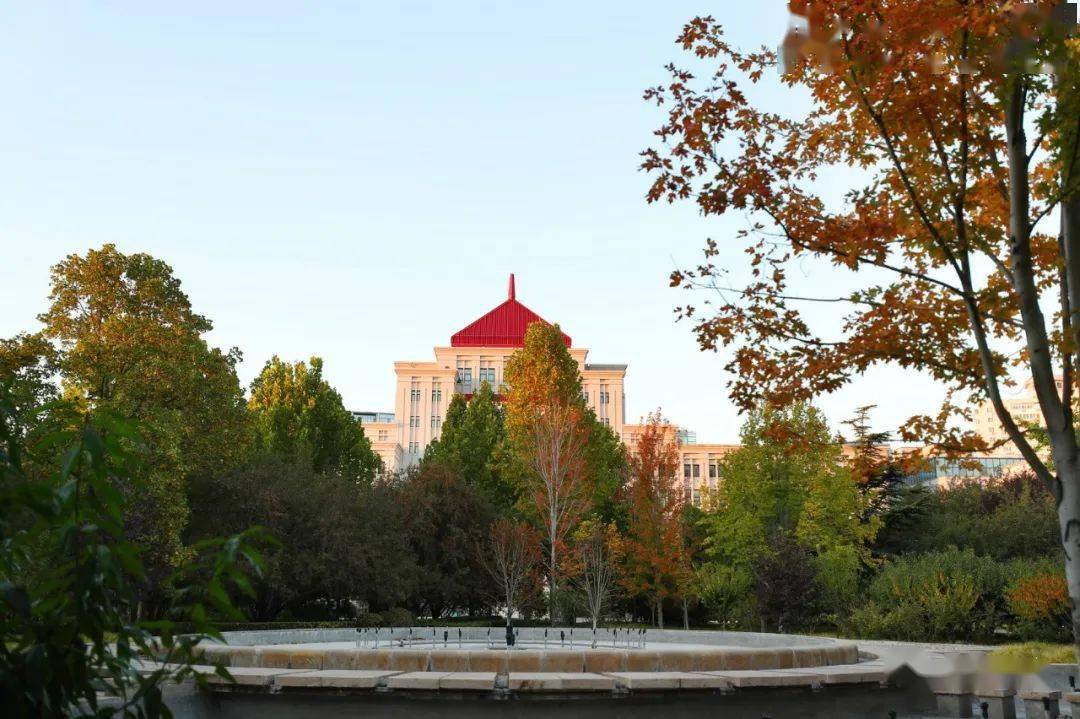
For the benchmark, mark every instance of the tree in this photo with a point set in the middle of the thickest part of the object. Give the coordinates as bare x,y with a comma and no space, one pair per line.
932,103
128,343
596,572
882,479
298,414
788,482
70,578
339,541
27,367
470,442
511,557
445,519
548,436
651,551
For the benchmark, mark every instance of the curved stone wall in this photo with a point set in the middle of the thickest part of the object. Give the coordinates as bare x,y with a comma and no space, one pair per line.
675,658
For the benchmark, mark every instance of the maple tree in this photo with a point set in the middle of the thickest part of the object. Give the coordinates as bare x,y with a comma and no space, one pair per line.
952,128
650,551
547,430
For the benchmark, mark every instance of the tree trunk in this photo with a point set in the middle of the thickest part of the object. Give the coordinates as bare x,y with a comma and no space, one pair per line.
551,584
685,614
659,613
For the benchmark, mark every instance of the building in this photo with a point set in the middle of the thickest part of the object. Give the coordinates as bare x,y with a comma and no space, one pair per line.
477,353
1024,408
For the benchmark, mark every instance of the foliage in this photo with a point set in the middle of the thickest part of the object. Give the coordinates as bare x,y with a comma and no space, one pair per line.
950,595
785,585
1040,604
511,556
129,344
68,577
397,617
340,540
921,110
788,480
1008,518
547,438
881,477
471,438
593,567
27,366
650,553
445,518
298,414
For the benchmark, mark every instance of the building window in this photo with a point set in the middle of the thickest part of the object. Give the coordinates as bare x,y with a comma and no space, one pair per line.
464,377
686,471
382,435
436,395
697,471
605,398
487,374
585,395
435,422
606,421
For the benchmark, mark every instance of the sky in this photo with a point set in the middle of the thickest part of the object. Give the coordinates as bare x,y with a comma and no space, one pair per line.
356,180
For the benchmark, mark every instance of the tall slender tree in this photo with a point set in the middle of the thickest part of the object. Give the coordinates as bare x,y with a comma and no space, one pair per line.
548,436
652,548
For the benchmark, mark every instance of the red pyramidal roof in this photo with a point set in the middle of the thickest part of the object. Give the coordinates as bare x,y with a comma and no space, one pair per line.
503,326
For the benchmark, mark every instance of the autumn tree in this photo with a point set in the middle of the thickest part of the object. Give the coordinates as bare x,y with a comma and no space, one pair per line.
948,132
128,343
651,550
511,555
595,572
298,414
548,437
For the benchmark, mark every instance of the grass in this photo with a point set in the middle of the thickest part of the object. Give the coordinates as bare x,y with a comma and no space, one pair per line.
1030,657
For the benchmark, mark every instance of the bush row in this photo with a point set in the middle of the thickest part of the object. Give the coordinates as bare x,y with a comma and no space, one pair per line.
957,595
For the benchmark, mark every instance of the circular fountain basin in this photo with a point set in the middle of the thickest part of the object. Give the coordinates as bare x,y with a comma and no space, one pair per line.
402,650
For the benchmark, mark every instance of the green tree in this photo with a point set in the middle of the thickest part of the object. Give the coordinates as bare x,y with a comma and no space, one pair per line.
298,414
446,518
27,366
129,343
68,576
789,481
338,540
470,443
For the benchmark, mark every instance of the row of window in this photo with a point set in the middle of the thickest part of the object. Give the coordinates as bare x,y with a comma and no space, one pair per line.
694,469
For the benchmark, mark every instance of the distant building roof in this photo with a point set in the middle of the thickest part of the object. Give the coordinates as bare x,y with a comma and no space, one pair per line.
606,367
503,326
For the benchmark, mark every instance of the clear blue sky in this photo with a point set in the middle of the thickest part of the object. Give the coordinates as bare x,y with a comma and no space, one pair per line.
357,179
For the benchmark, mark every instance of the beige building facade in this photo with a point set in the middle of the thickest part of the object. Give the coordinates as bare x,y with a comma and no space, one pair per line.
1024,408
478,353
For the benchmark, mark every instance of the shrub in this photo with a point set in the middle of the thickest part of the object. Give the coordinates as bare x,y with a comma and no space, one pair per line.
371,619
949,595
1040,605
398,617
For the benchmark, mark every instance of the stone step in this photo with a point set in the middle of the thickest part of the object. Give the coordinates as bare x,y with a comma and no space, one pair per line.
335,679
